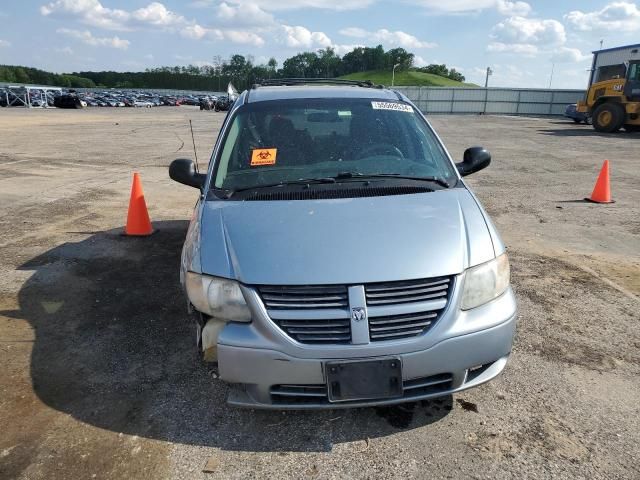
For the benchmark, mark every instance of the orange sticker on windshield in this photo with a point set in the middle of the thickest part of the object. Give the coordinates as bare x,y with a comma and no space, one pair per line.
263,156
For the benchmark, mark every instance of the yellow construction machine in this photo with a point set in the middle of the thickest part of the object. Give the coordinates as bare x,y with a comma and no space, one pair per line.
614,103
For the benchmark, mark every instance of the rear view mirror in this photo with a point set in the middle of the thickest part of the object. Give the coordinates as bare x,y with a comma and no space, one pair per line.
183,170
475,159
323,117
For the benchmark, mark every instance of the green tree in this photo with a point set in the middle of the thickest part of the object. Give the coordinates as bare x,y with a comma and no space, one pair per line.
272,67
20,75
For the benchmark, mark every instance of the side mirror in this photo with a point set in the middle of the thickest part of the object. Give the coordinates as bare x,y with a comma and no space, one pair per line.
475,159
183,171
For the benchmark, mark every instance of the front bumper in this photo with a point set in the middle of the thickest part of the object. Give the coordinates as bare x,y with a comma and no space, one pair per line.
458,355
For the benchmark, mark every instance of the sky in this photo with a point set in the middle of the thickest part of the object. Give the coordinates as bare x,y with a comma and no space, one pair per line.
522,42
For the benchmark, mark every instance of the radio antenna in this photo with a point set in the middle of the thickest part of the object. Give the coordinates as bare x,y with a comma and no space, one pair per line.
194,146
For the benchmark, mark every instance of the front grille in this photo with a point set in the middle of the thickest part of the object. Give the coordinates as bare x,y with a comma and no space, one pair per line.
400,326
336,331
320,314
393,293
317,394
304,297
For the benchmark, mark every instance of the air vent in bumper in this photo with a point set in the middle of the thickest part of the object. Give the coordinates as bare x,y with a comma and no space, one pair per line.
317,394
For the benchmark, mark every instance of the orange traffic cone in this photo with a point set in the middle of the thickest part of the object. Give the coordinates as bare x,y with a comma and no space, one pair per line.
138,222
601,192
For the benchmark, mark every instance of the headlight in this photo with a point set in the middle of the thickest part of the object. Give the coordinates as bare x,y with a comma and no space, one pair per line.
485,282
218,297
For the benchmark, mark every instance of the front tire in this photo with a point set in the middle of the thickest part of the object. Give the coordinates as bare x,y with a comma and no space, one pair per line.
608,118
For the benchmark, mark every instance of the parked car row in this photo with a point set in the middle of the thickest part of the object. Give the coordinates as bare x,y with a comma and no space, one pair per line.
221,103
110,98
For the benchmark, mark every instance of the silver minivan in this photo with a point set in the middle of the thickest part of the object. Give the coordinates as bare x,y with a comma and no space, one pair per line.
336,258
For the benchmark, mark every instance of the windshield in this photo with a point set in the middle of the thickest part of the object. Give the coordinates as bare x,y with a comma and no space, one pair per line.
287,140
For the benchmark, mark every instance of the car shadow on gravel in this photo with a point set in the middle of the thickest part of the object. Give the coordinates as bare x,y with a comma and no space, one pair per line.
114,348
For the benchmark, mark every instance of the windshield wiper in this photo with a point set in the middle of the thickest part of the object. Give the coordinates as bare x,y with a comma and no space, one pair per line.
363,176
300,181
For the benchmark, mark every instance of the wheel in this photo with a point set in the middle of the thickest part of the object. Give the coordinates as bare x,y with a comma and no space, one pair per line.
608,117
632,128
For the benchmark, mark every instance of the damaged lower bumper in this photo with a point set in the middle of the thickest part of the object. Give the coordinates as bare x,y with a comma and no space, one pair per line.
265,378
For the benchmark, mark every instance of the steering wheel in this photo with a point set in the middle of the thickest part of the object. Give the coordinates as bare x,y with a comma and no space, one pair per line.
381,148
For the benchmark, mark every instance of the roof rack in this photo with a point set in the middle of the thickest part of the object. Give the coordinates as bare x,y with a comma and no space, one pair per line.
277,82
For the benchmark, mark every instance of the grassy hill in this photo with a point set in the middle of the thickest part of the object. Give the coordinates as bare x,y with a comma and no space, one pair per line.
407,78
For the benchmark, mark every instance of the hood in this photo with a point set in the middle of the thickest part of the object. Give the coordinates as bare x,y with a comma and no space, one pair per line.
346,241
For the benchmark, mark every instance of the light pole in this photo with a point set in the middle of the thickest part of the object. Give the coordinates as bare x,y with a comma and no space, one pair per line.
393,74
486,80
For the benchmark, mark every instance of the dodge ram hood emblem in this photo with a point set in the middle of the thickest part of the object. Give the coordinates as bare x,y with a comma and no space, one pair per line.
358,314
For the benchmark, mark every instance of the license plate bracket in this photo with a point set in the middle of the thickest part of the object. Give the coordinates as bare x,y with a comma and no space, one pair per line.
364,379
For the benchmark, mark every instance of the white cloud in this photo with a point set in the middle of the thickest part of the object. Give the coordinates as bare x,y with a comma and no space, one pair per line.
4,43
87,37
194,32
521,9
529,31
243,37
342,49
519,48
231,20
90,12
387,38
198,32
504,7
157,14
418,61
301,37
270,5
568,55
244,14
616,16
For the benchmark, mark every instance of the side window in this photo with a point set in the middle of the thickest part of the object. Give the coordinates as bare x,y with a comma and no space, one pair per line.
226,153
609,72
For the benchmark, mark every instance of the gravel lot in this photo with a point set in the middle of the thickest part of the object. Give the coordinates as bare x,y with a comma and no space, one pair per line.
100,378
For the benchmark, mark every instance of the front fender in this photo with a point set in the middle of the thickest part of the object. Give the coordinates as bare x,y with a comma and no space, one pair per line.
190,258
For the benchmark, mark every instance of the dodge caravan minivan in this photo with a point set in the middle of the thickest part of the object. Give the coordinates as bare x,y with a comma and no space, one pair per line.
336,258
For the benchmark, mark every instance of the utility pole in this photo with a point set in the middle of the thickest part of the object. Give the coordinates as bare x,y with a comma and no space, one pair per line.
486,80
393,74
553,65
601,43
